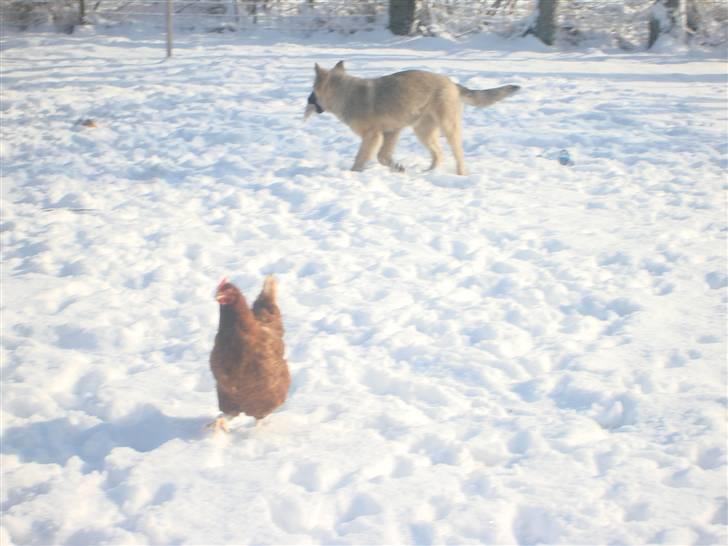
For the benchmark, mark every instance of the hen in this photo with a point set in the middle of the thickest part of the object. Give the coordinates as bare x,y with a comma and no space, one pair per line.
247,359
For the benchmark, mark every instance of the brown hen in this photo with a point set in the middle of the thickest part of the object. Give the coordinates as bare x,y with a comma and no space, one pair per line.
247,359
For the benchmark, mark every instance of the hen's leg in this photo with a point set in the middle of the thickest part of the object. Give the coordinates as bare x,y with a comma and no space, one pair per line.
221,423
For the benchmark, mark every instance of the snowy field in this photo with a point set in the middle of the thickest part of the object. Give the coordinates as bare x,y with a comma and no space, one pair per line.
531,354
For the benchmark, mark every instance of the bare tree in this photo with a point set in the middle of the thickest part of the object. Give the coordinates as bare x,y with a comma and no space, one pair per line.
501,4
402,16
669,14
545,27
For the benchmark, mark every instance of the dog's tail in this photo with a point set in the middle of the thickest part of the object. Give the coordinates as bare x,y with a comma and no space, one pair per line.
486,97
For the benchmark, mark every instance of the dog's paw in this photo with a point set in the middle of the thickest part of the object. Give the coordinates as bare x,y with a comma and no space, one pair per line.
397,167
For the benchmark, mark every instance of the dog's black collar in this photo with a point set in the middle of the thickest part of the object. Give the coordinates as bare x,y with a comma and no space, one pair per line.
313,100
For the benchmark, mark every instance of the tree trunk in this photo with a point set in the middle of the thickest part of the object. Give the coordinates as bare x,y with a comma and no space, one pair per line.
545,29
402,16
662,24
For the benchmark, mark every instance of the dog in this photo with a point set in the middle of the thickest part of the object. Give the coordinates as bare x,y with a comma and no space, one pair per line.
378,109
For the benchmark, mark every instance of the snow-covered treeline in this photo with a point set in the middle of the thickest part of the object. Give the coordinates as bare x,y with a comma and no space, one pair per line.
614,23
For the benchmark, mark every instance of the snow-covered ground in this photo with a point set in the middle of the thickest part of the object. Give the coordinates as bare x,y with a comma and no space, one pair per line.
534,353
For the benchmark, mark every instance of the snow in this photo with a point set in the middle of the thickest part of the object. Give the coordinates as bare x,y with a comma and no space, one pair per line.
531,354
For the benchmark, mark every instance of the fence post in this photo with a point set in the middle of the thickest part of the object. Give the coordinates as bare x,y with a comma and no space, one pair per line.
82,11
169,28
236,12
683,21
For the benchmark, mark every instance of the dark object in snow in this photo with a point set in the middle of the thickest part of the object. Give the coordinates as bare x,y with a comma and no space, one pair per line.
247,358
565,158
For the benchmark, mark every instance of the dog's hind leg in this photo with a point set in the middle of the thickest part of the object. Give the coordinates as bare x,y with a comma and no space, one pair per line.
385,152
453,134
429,135
370,143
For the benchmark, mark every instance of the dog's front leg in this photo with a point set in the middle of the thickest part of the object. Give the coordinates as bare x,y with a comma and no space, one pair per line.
385,152
370,143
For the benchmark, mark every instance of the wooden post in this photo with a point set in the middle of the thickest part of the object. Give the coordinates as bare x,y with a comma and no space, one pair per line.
82,11
169,28
236,12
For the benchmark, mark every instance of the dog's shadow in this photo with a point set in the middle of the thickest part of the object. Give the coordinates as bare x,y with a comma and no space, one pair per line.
57,440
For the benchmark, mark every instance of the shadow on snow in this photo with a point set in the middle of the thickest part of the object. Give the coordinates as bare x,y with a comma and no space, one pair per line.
58,440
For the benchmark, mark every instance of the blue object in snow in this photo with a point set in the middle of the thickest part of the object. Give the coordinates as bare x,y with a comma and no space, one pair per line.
565,158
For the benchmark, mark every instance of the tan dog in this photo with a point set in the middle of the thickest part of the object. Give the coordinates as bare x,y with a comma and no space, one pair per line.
378,109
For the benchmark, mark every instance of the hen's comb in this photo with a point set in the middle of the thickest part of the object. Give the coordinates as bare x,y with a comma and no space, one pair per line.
223,281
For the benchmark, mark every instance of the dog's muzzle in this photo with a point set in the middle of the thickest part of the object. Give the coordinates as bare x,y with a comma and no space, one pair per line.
312,106
313,100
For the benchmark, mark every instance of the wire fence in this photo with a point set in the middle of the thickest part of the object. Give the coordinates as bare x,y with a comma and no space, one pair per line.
625,23
284,15
460,17
618,23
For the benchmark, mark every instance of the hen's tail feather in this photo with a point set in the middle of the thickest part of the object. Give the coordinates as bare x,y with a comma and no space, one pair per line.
265,307
269,288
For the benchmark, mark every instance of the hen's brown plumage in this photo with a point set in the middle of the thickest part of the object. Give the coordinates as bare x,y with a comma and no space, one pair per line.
247,359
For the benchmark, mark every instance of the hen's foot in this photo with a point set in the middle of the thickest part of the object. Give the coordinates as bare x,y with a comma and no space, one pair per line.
219,424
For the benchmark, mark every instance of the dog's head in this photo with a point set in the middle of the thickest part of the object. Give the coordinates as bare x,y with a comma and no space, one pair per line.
321,93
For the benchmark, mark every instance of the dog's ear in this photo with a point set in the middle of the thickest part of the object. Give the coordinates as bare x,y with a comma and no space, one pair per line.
340,66
320,72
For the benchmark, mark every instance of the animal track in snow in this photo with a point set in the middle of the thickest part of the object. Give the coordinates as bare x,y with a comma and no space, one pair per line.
385,384
404,466
362,505
532,390
638,512
534,525
423,533
595,307
716,280
440,451
74,337
618,412
712,458
687,477
662,288
570,394
721,514
524,442
313,476
292,514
